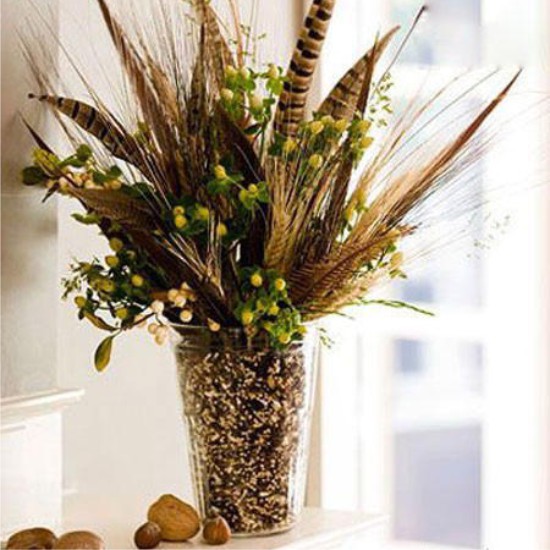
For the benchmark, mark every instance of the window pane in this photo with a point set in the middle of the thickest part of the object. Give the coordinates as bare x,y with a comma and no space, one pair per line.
453,36
437,442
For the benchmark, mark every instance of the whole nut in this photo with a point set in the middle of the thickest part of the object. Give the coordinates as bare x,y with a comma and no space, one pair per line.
39,537
148,535
177,520
80,540
216,531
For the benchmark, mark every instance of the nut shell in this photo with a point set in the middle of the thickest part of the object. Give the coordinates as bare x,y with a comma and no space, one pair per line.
216,531
80,540
178,521
38,537
148,535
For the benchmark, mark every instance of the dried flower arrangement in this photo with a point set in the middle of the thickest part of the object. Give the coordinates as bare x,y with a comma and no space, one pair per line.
223,205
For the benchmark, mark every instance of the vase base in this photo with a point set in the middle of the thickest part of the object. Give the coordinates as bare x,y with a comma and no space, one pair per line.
268,533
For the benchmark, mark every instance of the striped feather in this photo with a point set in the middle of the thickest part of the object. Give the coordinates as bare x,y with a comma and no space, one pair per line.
342,101
96,124
219,53
118,207
291,107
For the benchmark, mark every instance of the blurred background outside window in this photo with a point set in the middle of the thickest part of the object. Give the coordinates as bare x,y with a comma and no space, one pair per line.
409,403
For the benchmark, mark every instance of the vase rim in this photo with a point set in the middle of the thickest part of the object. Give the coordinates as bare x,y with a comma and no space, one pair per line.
312,326
233,337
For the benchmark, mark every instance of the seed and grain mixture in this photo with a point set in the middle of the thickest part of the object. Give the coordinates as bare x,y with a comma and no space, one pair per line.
248,413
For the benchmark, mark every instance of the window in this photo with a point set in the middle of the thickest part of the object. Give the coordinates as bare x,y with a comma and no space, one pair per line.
433,420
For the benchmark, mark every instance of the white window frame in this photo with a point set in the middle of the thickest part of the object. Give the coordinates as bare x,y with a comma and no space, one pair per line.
516,416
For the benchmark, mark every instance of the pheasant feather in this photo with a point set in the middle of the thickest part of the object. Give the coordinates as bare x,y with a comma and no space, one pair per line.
342,101
292,103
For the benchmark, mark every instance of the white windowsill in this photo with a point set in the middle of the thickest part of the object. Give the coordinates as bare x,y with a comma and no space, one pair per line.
16,411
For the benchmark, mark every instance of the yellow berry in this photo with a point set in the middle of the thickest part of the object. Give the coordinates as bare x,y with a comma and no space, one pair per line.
341,125
213,326
285,338
227,95
280,284
107,286
220,172
116,185
274,310
186,316
289,146
122,313
153,328
315,161
178,211
245,73
327,120
221,230
243,195
364,126
247,317
256,280
253,190
203,213
157,307
230,72
112,261
316,127
116,245
180,300
173,294
366,142
138,281
180,221
256,102
160,337
80,301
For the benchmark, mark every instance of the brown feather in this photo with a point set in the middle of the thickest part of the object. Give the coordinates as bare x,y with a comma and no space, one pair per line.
117,206
291,107
95,123
342,101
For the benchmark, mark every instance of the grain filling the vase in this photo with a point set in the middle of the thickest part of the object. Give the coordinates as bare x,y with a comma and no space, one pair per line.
248,411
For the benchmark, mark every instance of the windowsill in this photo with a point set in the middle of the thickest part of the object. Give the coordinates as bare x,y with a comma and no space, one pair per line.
18,410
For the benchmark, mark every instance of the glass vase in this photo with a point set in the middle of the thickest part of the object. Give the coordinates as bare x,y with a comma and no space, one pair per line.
248,410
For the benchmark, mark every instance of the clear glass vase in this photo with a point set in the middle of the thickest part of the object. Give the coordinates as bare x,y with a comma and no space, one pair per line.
248,411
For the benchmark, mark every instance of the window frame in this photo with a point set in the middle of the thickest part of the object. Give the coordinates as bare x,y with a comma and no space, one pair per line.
516,423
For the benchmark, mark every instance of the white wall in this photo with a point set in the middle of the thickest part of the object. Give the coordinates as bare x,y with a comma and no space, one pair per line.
127,436
30,288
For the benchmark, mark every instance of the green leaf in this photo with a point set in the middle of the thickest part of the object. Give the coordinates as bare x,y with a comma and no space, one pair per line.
84,153
103,353
86,219
114,172
252,130
33,175
98,322
397,305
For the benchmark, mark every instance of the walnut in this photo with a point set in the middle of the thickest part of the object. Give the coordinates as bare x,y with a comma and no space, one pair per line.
148,535
39,537
80,540
177,520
